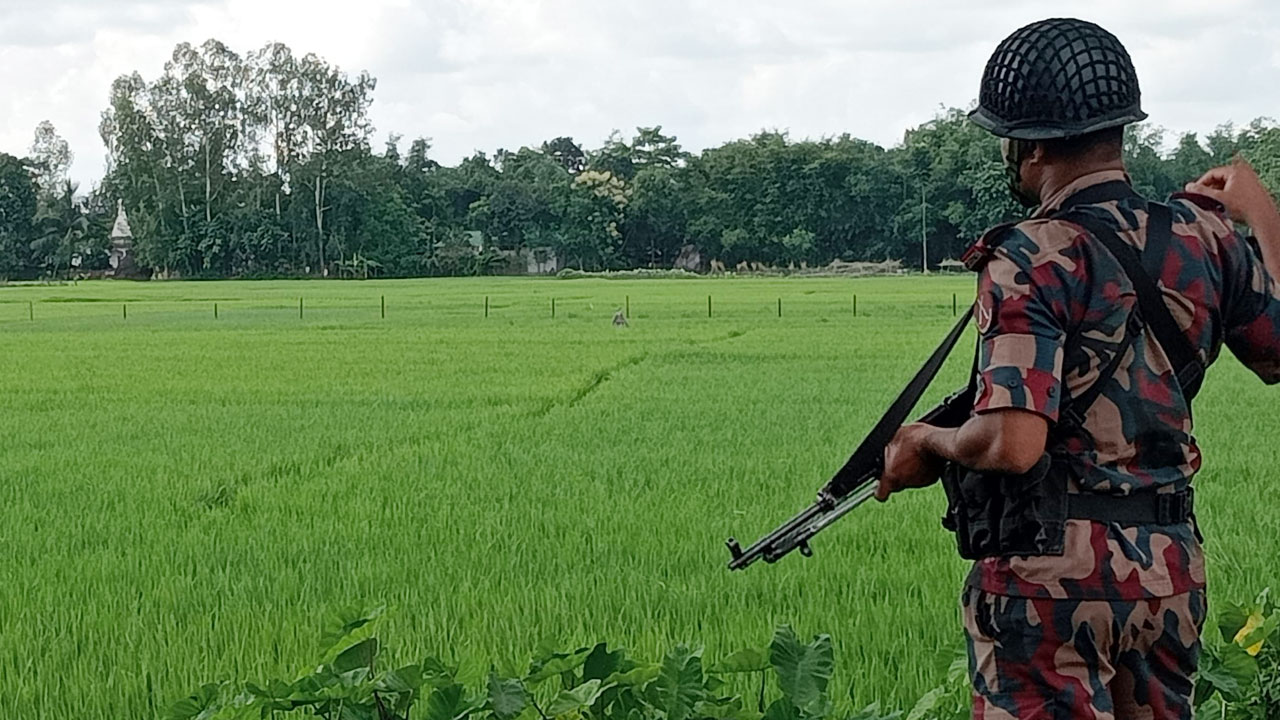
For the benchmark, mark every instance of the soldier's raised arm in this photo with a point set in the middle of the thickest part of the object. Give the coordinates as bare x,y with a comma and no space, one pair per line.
1251,305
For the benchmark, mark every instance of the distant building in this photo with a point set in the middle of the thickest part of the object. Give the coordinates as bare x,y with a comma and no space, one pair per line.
540,261
691,259
121,256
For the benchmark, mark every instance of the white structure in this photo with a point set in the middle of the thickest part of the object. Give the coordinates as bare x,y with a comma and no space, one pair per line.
121,253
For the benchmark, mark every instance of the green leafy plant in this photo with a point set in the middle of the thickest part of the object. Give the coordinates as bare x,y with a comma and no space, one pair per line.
355,682
1239,680
1240,664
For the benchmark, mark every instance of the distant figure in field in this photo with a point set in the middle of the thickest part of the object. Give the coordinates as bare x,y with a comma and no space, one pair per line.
620,319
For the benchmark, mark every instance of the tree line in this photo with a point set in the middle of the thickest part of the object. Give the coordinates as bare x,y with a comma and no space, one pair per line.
265,165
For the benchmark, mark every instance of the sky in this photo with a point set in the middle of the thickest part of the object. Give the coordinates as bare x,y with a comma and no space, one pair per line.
484,74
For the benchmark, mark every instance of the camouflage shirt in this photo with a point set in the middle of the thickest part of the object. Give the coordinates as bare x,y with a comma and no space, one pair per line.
1052,308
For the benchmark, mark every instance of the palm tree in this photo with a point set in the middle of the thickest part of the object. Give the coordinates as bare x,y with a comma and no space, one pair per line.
61,227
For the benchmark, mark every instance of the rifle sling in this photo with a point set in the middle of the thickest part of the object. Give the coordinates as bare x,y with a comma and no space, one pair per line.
868,458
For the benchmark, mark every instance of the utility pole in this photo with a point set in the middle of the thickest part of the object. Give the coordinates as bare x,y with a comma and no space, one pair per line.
924,239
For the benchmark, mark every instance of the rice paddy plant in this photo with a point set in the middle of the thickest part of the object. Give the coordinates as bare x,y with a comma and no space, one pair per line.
186,497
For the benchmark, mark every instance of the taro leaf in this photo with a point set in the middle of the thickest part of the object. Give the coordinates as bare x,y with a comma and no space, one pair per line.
620,702
506,696
550,666
1231,619
399,688
446,703
579,698
276,696
401,680
354,711
636,676
820,708
729,710
927,704
275,690
360,655
782,709
601,663
311,688
678,686
1213,676
354,678
743,661
803,670
346,621
200,705
1257,631
436,674
1241,665
1211,708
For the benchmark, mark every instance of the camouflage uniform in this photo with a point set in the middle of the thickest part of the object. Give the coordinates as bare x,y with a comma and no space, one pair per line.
1110,629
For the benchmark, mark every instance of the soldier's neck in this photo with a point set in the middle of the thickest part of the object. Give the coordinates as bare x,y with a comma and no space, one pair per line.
1059,175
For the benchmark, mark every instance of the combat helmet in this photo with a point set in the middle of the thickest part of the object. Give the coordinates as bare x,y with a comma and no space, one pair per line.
1057,78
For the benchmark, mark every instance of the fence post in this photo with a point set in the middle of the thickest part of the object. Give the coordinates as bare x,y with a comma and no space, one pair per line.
954,310
299,308
384,307
31,311
708,306
779,307
486,306
124,311
855,304
215,311
553,308
628,306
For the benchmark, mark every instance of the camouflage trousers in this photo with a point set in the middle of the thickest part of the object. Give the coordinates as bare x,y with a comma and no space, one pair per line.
1045,659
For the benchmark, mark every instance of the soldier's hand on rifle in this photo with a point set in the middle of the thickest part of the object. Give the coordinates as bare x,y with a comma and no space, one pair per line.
907,463
1238,187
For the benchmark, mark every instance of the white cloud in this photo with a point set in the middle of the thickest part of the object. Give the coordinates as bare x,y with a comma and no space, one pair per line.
482,74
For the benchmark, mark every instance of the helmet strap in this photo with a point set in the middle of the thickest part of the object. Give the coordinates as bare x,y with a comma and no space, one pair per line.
1014,151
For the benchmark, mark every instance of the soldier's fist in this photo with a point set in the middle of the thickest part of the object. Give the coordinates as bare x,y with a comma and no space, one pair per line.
907,461
1238,187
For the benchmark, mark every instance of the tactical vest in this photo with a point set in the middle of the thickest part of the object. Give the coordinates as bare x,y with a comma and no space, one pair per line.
999,514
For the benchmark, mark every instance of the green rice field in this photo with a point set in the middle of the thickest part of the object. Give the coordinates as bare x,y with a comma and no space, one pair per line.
186,498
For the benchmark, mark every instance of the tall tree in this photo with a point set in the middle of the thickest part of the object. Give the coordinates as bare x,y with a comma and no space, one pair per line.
566,152
335,120
17,214
60,232
651,148
615,157
51,155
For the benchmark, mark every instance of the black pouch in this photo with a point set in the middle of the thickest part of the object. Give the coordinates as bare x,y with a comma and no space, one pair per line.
999,515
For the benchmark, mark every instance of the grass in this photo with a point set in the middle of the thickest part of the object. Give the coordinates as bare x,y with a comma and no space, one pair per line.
184,498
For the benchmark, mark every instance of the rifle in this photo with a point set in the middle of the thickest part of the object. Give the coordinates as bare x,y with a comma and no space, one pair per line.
855,482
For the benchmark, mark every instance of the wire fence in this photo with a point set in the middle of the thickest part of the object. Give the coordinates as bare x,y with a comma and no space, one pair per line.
492,307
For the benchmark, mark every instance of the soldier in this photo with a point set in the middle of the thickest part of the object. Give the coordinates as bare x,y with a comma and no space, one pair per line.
1096,318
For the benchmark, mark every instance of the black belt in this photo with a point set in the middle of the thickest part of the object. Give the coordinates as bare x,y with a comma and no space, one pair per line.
1143,508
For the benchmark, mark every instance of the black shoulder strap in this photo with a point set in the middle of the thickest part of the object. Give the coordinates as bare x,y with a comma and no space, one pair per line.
1155,312
870,453
1109,191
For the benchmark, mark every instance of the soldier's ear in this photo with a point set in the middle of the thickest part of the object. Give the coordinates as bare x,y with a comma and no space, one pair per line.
1039,154
1034,163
